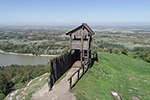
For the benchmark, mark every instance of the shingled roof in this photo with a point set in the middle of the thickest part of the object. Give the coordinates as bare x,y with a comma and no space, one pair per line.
83,26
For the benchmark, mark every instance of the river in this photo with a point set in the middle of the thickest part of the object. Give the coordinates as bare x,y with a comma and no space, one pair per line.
9,59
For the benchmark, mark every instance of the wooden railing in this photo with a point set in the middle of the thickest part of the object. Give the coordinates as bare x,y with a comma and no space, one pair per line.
78,73
88,63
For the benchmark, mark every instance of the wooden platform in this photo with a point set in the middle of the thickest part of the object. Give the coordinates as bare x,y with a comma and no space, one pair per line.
77,64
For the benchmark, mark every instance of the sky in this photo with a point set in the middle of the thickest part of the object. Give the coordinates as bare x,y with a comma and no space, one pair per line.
74,11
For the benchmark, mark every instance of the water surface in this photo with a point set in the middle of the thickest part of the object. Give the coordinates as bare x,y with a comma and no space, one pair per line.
8,59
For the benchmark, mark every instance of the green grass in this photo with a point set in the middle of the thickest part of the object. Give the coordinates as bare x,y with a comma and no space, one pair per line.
129,76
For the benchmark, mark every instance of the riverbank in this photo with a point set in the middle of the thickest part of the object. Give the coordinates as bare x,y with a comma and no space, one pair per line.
29,54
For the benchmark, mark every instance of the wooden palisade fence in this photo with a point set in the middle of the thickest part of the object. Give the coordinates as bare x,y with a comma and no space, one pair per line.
59,65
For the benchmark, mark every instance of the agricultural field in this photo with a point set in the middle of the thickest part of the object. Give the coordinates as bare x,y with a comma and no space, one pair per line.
53,41
36,41
132,39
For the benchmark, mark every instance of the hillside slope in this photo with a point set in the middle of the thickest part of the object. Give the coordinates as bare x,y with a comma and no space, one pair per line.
26,92
129,76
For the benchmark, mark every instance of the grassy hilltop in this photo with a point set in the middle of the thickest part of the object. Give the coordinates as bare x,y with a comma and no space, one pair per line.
122,73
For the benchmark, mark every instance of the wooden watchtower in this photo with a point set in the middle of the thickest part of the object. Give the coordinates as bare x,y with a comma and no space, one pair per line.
80,41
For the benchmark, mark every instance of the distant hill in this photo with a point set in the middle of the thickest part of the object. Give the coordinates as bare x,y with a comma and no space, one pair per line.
122,73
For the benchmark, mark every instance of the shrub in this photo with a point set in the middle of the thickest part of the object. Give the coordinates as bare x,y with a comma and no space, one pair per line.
124,51
137,53
2,96
148,58
110,49
145,55
116,51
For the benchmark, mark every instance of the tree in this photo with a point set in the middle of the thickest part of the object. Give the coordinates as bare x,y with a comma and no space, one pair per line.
3,84
2,96
65,49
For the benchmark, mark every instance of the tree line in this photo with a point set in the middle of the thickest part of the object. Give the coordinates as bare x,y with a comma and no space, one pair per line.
35,48
16,76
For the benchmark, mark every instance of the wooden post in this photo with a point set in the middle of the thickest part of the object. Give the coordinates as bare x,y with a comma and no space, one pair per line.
70,42
81,57
83,69
74,36
81,49
70,82
78,74
88,55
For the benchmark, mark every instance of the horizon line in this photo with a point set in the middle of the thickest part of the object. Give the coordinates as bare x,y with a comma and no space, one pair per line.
78,23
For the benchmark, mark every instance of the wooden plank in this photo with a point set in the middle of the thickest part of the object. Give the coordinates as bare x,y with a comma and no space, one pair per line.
76,44
77,32
85,32
85,45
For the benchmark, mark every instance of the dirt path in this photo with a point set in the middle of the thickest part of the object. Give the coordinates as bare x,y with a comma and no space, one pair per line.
60,91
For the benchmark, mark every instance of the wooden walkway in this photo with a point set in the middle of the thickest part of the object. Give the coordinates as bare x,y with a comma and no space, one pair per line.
77,64
82,69
79,73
